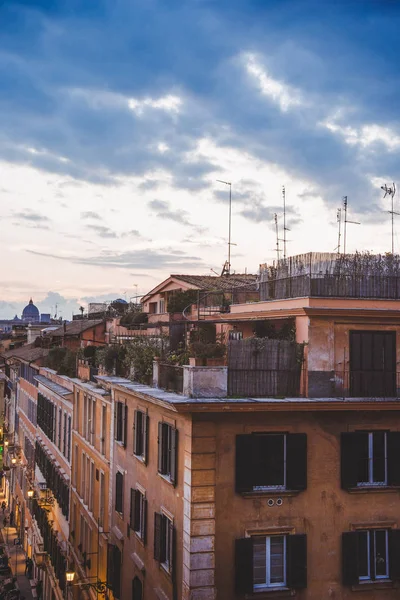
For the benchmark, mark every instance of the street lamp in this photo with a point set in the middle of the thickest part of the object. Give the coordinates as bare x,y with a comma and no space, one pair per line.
69,576
30,493
6,443
13,460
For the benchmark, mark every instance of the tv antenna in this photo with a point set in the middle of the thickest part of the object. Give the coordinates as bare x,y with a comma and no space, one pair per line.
346,220
339,222
391,191
285,229
227,266
278,239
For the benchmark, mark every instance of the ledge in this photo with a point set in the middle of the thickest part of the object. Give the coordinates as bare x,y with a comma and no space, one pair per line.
272,492
373,585
272,593
367,489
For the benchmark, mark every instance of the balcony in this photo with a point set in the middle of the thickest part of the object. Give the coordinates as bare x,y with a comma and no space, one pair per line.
365,384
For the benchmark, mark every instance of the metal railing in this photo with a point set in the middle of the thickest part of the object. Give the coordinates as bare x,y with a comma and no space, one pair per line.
335,286
366,384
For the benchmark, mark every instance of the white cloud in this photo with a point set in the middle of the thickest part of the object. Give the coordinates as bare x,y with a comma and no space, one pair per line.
285,96
169,103
363,136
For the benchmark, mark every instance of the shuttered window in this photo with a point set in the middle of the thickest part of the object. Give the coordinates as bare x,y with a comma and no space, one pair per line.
119,492
140,438
167,451
268,461
164,541
370,459
138,513
264,562
120,422
114,570
370,555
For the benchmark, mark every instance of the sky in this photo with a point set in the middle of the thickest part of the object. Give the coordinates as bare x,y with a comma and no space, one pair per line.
117,118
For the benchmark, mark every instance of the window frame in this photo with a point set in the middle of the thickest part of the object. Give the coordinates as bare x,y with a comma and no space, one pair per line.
138,512
119,496
140,436
371,482
167,451
371,560
268,585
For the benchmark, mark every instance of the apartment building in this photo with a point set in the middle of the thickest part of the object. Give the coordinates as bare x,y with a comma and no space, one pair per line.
252,496
90,491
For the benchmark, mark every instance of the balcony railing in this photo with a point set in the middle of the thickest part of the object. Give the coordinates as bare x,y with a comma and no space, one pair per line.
331,286
366,384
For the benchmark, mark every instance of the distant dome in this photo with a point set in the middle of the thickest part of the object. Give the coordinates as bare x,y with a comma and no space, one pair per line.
120,301
30,312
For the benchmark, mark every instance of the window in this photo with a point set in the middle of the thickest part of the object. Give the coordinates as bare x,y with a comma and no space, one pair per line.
138,513
137,589
167,451
373,364
264,562
369,459
120,421
370,555
269,561
114,560
119,492
103,429
64,451
164,534
91,485
75,471
236,335
102,492
162,306
140,441
153,306
69,440
271,461
59,428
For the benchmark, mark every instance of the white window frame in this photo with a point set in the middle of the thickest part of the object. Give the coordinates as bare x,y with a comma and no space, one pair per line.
376,577
166,565
371,481
268,585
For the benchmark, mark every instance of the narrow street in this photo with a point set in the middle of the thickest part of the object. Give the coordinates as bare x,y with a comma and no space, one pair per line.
8,537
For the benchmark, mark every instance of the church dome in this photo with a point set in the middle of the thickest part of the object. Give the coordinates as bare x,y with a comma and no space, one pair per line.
30,312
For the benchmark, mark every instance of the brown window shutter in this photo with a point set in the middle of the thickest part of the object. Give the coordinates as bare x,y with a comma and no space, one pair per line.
160,448
244,566
137,506
296,561
174,455
146,433
124,424
394,554
116,404
393,454
351,454
172,544
132,510
157,536
350,558
244,475
135,432
296,461
144,521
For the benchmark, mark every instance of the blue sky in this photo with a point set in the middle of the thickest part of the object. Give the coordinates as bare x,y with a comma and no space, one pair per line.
118,116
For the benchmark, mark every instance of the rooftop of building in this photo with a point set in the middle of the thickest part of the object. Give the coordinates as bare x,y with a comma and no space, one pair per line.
53,386
29,353
75,327
182,403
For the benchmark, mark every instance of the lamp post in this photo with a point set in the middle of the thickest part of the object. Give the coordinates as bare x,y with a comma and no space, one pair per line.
69,576
100,587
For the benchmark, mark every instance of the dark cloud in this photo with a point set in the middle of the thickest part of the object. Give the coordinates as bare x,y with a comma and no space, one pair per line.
31,216
102,231
162,209
146,258
89,214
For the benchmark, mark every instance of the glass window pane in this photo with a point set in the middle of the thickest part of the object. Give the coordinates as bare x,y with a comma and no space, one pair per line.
363,460
363,555
277,560
381,563
379,459
259,560
268,460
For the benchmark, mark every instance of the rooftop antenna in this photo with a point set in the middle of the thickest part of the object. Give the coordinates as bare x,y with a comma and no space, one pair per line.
278,239
391,191
227,266
339,222
346,220
285,229
55,316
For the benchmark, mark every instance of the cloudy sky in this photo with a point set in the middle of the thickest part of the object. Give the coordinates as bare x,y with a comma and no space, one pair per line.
118,116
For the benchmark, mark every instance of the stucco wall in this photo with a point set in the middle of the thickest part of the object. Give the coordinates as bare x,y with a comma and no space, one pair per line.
323,511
